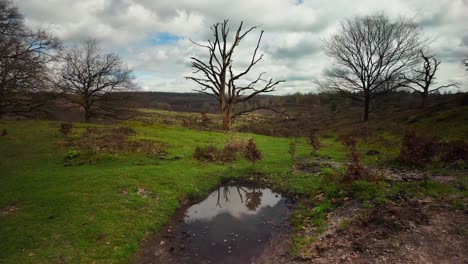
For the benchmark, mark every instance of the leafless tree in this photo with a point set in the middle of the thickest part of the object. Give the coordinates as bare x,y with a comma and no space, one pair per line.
218,79
423,79
24,59
91,79
465,62
370,54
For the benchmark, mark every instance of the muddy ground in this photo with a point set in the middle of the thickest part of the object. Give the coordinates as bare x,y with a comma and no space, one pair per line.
407,231
404,230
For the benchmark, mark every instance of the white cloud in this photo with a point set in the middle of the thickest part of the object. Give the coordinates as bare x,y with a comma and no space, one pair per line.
291,43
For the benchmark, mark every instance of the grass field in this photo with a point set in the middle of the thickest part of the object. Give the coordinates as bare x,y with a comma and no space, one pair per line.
101,212
97,212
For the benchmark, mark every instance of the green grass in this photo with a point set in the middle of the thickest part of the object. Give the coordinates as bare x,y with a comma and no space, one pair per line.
101,212
94,212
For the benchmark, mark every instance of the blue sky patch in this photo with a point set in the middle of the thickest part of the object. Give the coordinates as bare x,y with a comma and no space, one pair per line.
163,38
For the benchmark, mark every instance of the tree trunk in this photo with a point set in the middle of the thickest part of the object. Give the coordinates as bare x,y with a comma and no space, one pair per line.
423,101
227,120
87,114
365,117
87,109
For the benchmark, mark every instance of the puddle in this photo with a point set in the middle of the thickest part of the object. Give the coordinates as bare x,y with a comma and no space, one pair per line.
233,224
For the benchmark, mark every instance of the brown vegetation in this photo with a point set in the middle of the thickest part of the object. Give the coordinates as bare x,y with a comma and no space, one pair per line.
251,152
354,168
65,128
417,149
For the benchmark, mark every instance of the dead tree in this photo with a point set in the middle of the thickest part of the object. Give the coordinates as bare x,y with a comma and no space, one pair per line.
91,79
24,59
218,79
370,54
423,79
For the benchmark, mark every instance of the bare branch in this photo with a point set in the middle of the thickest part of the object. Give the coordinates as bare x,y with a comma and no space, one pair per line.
370,54
219,79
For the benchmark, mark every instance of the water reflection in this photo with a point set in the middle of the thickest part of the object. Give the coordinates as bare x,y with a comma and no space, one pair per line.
236,201
231,226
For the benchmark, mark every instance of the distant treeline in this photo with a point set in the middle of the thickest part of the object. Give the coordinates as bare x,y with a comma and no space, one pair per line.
196,102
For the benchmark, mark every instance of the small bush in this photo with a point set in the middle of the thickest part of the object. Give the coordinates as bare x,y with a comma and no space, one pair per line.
314,142
417,149
4,132
207,153
251,152
65,128
354,169
230,150
227,154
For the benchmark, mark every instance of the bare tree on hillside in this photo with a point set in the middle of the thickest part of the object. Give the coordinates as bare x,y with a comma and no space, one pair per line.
24,59
91,79
218,78
370,55
423,79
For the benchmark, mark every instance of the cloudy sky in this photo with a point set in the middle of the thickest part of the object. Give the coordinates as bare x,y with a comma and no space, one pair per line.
153,35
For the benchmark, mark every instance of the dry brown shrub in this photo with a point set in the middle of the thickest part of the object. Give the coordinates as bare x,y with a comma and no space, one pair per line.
65,128
354,169
314,142
227,154
251,152
206,153
418,149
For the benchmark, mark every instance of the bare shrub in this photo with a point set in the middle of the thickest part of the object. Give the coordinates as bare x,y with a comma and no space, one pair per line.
207,153
417,149
235,145
227,154
230,150
251,152
314,142
354,169
65,128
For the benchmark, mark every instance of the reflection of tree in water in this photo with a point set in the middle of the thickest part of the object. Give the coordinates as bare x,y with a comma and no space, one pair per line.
253,198
226,193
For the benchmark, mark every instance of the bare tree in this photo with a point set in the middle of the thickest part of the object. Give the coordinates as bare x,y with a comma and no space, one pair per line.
370,54
465,62
423,79
218,78
91,79
24,59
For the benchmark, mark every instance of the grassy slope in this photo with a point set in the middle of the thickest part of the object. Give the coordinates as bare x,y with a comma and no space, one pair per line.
94,212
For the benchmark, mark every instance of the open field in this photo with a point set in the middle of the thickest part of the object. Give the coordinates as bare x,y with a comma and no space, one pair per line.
102,207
